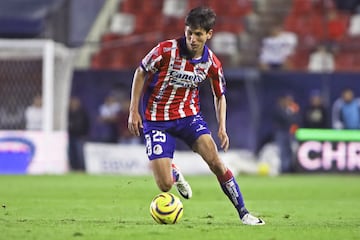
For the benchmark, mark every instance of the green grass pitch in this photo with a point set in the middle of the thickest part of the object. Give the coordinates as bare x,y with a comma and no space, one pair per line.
80,206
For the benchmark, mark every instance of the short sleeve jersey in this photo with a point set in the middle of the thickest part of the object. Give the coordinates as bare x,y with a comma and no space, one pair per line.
172,84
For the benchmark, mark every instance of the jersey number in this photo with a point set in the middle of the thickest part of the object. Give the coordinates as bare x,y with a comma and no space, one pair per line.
158,136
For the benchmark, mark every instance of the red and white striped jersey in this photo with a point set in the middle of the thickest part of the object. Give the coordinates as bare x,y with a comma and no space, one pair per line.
172,85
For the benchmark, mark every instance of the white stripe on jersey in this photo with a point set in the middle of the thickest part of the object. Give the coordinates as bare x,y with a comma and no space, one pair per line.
153,114
165,82
192,106
181,107
167,78
220,73
168,103
221,77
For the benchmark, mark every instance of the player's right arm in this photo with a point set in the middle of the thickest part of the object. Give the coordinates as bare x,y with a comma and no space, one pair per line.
149,64
135,120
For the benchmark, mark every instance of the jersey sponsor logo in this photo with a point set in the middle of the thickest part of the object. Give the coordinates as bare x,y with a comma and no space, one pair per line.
176,67
185,79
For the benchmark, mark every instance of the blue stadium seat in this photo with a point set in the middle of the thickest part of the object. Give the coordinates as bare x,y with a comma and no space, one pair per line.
22,19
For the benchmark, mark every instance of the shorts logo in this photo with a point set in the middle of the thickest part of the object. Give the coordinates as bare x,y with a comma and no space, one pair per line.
148,144
201,127
157,149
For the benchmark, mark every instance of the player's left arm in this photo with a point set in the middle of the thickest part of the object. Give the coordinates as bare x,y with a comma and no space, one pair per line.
220,110
218,86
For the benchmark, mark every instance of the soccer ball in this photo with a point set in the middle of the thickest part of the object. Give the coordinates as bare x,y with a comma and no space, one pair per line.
166,208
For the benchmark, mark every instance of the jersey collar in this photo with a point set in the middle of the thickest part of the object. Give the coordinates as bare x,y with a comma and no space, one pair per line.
185,53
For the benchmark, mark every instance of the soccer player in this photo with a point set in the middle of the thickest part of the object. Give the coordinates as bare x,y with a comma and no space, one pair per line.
165,90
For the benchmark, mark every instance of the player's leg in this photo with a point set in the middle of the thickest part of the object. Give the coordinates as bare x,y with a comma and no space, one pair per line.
160,147
207,149
167,174
182,186
161,168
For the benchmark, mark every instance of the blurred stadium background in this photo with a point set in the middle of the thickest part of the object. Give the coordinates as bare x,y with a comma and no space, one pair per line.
99,43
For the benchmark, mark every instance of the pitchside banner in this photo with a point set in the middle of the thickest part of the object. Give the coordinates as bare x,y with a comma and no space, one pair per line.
105,158
328,150
33,152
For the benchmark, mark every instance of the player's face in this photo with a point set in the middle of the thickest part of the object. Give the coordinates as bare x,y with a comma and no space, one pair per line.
196,39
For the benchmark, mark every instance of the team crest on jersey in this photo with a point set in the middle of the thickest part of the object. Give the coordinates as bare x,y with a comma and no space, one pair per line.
203,65
200,71
158,149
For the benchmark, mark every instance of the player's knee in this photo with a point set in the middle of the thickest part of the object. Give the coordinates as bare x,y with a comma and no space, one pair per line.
165,186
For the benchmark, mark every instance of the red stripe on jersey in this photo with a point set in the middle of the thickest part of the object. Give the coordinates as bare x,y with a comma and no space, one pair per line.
171,91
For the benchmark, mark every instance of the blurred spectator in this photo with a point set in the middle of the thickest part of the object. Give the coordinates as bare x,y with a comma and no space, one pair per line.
12,114
347,5
346,111
225,44
108,119
315,114
125,137
336,25
252,21
322,5
286,120
354,26
34,114
78,129
322,60
276,49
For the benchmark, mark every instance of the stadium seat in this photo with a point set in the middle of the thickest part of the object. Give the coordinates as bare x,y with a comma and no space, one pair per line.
130,6
100,60
356,65
230,25
231,8
301,7
174,8
345,61
194,3
140,6
146,22
109,37
299,60
28,19
122,23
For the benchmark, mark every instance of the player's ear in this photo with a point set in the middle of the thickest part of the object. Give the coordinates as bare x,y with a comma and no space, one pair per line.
209,34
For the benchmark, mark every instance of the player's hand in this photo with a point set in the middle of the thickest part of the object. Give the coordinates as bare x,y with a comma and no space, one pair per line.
224,139
135,123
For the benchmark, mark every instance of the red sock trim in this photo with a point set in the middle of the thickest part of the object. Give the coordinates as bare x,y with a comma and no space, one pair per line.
226,177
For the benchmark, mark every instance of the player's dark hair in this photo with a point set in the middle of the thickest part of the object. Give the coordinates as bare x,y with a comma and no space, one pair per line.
201,17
